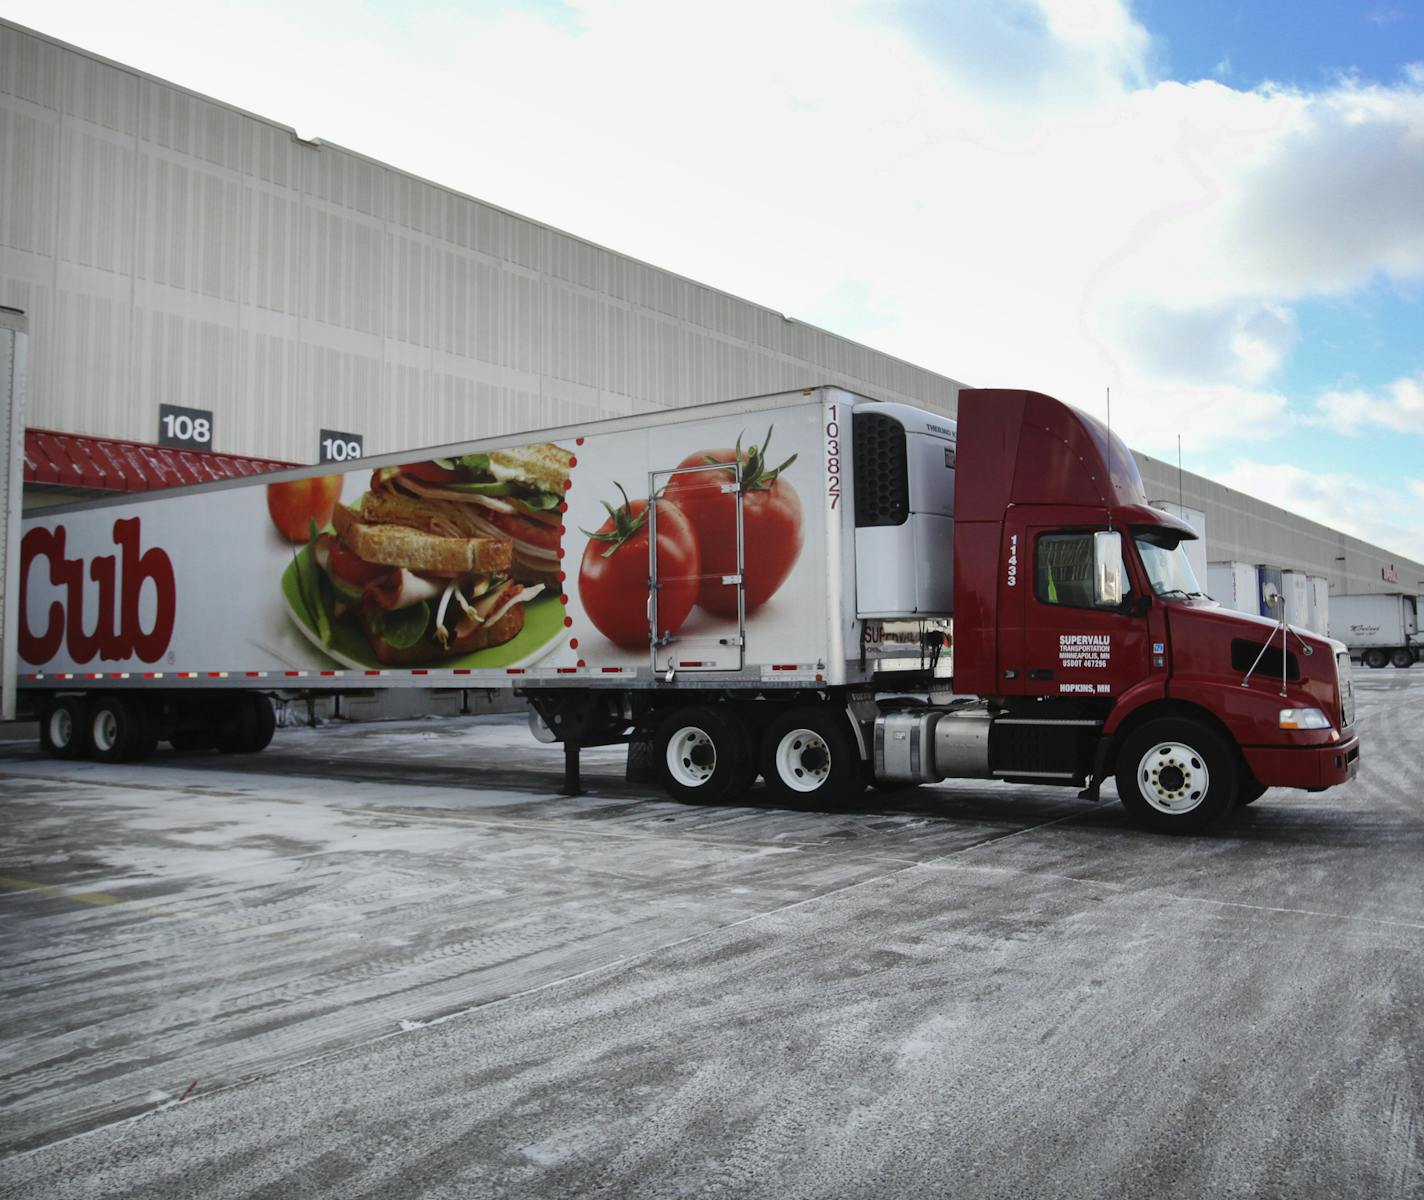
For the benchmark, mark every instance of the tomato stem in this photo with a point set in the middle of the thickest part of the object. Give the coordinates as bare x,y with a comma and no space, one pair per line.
626,523
755,475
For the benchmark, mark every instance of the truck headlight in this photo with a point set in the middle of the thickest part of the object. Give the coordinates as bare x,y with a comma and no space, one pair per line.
1304,718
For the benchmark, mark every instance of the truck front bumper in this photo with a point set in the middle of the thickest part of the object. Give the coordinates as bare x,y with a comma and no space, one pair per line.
1314,768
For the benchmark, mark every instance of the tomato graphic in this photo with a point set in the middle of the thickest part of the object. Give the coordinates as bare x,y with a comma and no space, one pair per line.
294,503
771,524
613,577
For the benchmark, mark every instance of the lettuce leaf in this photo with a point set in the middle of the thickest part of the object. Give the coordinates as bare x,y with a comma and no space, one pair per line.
405,626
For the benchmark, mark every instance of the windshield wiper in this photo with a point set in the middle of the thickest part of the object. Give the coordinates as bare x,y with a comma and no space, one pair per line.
1175,592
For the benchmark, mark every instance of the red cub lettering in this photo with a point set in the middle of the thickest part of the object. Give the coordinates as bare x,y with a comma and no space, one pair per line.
120,584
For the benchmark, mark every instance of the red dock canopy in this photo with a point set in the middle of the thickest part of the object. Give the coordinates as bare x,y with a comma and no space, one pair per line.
73,460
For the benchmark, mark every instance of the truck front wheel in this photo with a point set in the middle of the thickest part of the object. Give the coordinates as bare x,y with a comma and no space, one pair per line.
808,757
1177,776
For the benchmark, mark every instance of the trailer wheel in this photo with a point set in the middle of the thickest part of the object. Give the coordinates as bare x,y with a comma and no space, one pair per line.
1375,659
1177,776
63,729
247,725
702,755
120,729
1401,658
809,757
145,739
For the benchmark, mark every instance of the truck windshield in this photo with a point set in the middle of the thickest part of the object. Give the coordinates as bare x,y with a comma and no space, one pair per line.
1168,570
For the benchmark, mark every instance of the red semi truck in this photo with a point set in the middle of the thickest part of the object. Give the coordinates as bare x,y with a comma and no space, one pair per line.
815,587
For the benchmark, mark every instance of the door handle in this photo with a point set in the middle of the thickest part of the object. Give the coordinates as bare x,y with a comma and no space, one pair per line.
1040,673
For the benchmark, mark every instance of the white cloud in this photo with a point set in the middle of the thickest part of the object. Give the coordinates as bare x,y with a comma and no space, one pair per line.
995,189
1398,407
1387,516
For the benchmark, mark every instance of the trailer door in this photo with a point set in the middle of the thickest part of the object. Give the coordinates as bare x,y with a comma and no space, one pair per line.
713,636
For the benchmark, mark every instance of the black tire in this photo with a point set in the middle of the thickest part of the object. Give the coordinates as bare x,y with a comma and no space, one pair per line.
246,725
119,729
1375,659
1250,791
701,755
64,731
809,758
1402,659
642,766
1177,775
145,738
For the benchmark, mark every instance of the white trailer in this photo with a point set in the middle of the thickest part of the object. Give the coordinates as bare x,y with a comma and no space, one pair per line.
1319,604
773,566
1378,628
1295,587
1235,585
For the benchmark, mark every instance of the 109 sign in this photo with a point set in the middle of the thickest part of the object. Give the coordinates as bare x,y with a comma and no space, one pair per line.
336,446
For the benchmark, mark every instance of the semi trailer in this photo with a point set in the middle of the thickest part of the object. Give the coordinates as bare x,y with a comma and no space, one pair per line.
814,587
1380,628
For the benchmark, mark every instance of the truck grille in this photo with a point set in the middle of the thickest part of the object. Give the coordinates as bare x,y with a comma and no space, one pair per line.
1346,684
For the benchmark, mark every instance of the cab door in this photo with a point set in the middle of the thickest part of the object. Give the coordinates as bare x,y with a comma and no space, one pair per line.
1072,648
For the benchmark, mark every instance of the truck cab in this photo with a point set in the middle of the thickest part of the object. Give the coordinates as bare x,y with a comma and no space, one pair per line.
1079,620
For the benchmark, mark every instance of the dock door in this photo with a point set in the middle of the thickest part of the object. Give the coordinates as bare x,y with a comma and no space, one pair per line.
712,638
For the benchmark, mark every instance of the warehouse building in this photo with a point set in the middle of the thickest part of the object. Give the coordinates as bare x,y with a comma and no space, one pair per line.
185,266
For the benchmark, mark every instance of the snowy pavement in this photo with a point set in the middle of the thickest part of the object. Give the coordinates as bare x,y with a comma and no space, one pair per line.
389,960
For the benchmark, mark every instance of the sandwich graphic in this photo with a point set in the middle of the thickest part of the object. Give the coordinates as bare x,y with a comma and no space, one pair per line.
418,592
514,494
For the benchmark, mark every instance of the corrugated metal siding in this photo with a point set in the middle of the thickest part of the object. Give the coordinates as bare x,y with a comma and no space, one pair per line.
171,249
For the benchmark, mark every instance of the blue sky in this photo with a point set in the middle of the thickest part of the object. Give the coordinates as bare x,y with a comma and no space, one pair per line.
1365,337
1212,208
1304,45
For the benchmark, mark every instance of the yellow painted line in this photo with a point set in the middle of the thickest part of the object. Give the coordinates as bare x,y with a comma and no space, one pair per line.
102,899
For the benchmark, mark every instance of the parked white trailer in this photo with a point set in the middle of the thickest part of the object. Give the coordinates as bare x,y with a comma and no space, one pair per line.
1319,604
1379,628
1235,585
1295,587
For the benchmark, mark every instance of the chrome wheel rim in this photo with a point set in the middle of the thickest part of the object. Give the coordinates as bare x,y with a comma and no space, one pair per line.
803,760
1173,778
691,756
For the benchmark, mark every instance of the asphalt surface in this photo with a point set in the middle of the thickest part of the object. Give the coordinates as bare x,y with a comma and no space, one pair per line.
389,961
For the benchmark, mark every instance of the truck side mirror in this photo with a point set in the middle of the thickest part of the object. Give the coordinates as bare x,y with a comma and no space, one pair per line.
1109,573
